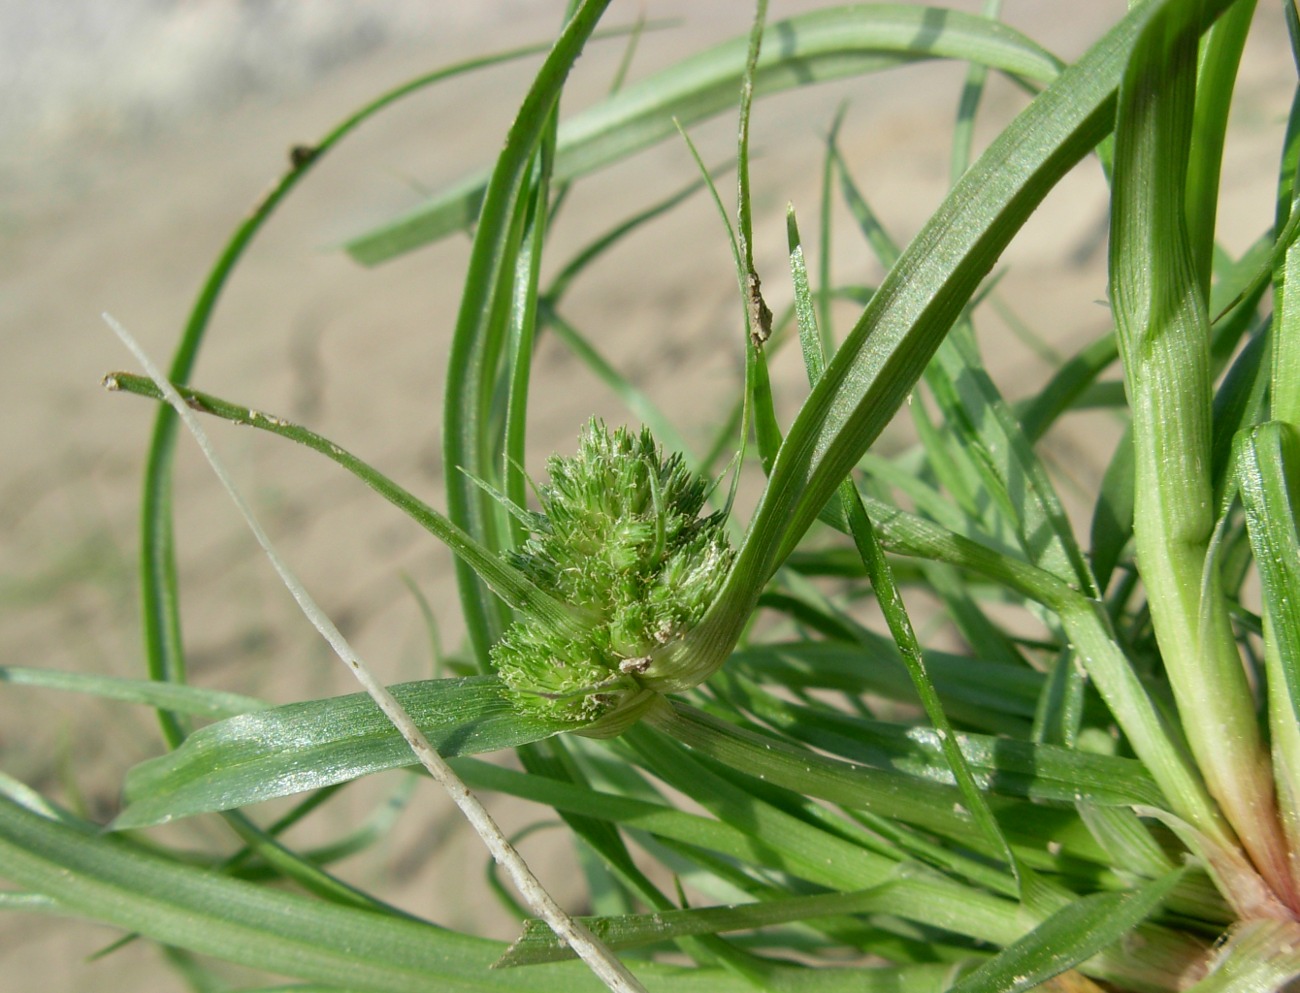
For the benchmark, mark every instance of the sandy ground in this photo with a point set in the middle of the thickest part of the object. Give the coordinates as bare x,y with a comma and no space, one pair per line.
153,141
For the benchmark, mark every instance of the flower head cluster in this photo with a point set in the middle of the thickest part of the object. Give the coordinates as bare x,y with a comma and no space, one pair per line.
621,540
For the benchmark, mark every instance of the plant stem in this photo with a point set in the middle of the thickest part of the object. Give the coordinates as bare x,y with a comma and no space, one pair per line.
1163,329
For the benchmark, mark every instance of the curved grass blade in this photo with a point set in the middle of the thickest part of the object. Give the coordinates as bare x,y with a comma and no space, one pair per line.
882,578
1068,384
818,858
968,690
755,406
963,132
999,765
522,330
1005,460
159,592
305,746
984,440
921,802
607,862
1112,517
108,879
758,317
1240,403
560,284
470,440
1068,938
175,697
821,45
1218,62
1285,399
875,369
926,896
512,585
1159,745
1268,477
303,869
538,944
920,895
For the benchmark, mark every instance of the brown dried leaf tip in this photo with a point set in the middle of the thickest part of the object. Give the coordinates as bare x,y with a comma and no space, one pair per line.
760,315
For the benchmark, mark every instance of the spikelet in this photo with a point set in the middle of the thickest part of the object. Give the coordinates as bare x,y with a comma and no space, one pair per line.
620,539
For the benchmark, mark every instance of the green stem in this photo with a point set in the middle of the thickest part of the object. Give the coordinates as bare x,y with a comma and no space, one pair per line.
1163,329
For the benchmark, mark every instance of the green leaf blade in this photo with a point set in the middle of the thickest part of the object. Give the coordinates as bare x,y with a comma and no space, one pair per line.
1068,938
822,45
108,879
314,744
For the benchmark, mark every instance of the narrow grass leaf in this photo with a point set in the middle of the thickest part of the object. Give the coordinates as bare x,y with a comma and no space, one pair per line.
1290,158
108,879
999,765
882,577
1010,470
1127,840
1068,384
1069,938
470,439
173,697
571,270
875,369
1112,516
1240,403
522,331
988,641
972,91
825,229
813,47
1285,397
1091,634
909,534
508,582
983,435
968,690
305,746
1218,61
301,868
927,897
752,842
921,802
1268,477
160,592
538,944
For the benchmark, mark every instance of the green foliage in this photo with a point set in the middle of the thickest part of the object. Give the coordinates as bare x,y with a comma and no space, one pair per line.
1099,784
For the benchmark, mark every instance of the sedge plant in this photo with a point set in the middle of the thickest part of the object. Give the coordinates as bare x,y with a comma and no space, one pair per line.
1111,804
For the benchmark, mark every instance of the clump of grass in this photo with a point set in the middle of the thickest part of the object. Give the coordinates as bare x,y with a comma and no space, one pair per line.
1110,805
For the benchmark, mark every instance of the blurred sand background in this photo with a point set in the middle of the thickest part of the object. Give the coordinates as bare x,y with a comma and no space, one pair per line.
135,136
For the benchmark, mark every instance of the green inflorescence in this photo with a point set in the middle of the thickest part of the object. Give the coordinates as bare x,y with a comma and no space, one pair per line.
620,538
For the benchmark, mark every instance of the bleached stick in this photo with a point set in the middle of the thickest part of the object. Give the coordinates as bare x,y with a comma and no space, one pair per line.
588,947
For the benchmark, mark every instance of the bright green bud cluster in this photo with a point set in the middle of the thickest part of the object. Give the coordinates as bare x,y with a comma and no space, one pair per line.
621,540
